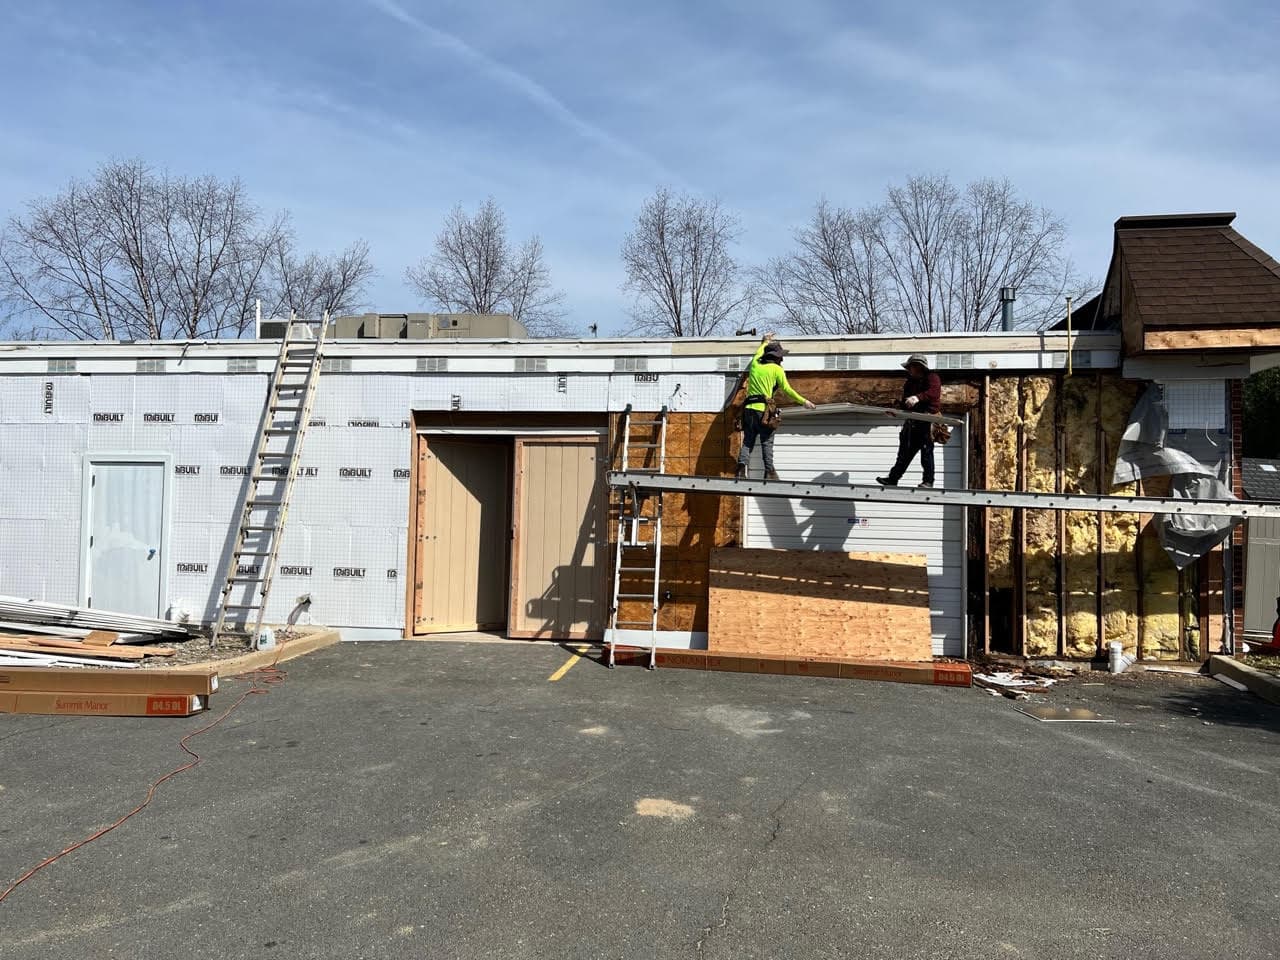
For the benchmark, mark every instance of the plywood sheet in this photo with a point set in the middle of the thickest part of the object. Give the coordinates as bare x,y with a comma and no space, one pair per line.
820,603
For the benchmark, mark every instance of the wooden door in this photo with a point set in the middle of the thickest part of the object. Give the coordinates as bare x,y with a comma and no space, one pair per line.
558,557
464,524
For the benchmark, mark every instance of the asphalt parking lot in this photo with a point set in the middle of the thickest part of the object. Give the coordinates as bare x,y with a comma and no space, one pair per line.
446,800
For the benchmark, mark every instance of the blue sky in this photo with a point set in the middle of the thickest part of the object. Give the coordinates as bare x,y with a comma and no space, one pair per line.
371,118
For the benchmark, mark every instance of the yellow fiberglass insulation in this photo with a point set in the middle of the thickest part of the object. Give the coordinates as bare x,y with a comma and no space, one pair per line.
1160,620
1080,475
1120,530
1040,436
1002,474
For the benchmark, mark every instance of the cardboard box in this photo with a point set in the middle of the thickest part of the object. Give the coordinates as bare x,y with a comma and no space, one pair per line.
101,704
687,659
71,680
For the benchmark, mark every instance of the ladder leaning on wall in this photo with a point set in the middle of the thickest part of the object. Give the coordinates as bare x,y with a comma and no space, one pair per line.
277,456
637,561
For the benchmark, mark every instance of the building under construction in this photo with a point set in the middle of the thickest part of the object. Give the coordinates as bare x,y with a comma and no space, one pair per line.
445,483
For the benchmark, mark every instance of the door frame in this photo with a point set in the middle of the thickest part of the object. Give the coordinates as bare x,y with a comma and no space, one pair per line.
426,424
600,439
95,458
417,592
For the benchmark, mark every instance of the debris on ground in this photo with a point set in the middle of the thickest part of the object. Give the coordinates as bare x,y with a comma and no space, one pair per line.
1012,685
35,633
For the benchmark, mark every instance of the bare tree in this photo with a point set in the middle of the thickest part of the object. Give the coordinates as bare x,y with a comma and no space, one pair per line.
680,269
132,254
929,258
475,269
314,284
834,282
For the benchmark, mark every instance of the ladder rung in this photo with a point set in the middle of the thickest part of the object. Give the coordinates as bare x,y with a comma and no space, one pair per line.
264,501
646,423
242,606
246,579
278,431
255,528
253,553
260,477
638,569
635,596
644,446
296,363
274,454
634,623
286,406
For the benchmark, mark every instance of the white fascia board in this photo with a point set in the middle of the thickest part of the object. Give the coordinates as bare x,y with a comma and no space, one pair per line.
876,353
1186,368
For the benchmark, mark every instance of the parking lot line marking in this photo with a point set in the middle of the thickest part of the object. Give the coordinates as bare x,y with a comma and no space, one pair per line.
568,664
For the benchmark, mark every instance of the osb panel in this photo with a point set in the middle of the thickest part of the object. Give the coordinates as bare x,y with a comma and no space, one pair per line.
820,603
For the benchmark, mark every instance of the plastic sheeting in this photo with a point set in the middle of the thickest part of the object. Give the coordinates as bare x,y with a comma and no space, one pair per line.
1199,468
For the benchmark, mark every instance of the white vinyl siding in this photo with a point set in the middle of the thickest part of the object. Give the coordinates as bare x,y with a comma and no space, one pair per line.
856,449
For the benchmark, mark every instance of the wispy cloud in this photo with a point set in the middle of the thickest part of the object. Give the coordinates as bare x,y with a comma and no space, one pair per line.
525,86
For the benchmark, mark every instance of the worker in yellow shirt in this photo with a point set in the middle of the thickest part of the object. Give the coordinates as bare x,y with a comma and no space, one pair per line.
764,378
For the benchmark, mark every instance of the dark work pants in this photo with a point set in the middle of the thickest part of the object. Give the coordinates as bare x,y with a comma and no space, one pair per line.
914,438
753,428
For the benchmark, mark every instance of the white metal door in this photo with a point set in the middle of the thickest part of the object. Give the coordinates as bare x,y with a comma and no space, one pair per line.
853,448
125,557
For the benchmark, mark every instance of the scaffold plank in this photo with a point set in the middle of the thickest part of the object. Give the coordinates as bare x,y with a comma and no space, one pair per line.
798,490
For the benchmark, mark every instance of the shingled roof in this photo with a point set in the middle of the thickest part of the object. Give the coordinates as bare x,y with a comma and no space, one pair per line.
1261,478
1196,270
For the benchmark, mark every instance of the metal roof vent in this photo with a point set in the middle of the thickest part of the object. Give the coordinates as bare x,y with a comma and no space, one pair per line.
433,364
842,361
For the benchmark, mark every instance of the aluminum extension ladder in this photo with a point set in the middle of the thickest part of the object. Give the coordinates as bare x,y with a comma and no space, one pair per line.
277,456
637,556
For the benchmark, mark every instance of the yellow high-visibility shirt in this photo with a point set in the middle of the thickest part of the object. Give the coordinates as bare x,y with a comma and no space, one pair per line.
766,379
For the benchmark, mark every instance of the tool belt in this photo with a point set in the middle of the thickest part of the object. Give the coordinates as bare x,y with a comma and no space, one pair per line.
772,417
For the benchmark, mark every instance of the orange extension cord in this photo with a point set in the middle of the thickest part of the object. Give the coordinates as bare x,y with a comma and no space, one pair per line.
260,681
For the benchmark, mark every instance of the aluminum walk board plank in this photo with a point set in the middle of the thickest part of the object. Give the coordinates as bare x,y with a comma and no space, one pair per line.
1242,509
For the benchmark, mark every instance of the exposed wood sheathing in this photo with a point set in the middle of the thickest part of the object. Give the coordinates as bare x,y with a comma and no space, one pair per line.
700,444
874,390
820,604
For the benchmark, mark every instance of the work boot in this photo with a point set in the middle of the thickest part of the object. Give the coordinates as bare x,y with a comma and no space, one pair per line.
886,482
925,484
771,474
740,472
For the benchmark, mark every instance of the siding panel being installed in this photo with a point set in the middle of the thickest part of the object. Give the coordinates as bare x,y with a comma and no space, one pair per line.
855,449
558,588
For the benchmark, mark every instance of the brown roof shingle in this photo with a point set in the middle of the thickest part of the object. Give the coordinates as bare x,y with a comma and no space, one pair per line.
1196,270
